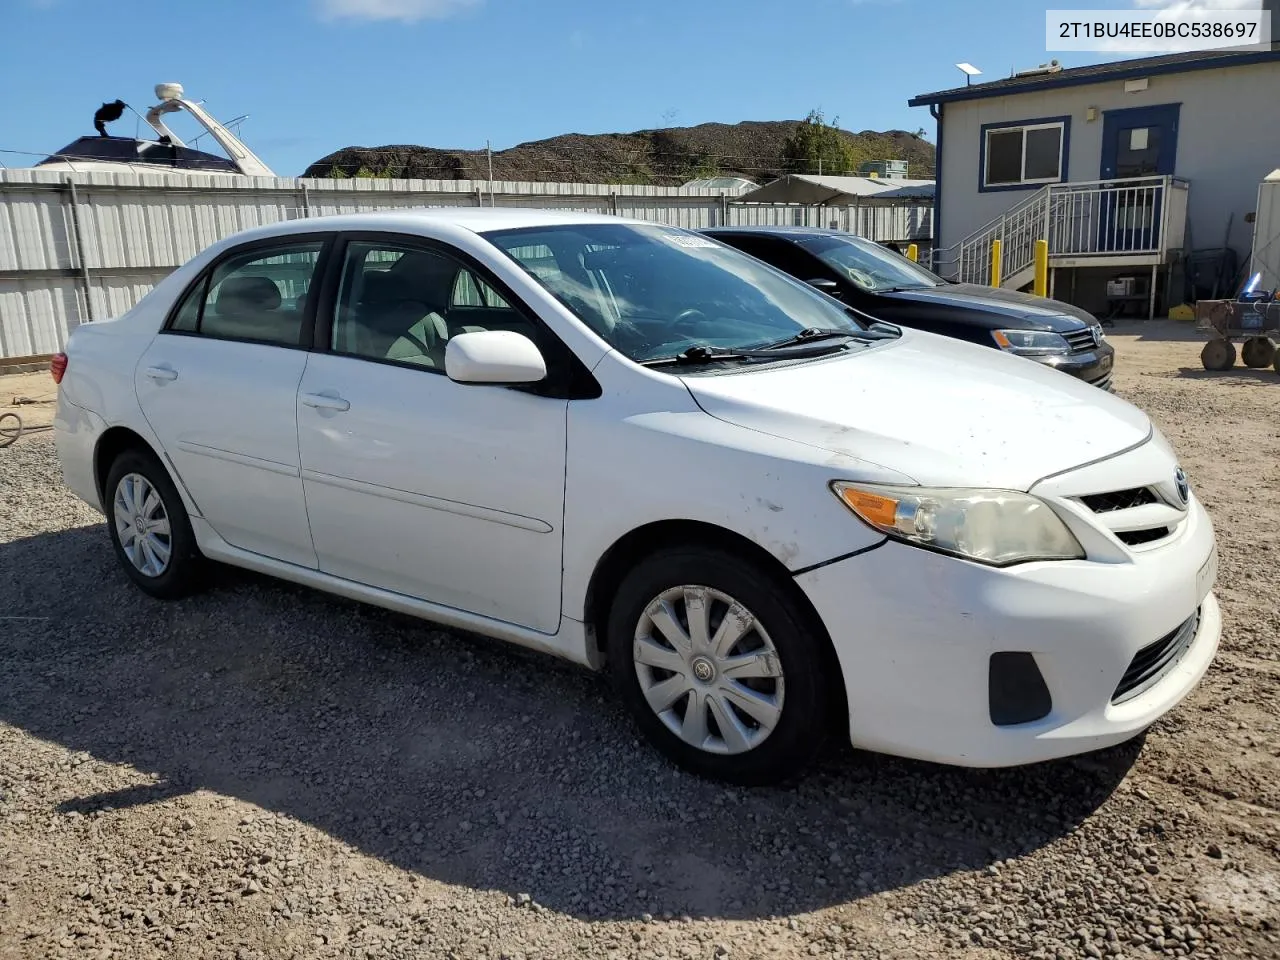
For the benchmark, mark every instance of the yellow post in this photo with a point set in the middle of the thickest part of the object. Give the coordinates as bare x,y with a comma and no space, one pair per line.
1041,286
913,252
996,262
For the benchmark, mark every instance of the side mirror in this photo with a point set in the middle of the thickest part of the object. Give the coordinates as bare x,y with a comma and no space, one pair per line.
829,287
493,356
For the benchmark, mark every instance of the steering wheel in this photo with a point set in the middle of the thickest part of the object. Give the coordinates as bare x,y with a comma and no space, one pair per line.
686,316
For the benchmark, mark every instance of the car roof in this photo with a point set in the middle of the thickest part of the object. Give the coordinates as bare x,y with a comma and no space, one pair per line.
790,233
473,219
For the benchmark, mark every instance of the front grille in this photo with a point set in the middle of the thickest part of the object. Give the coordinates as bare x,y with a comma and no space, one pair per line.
1104,383
1081,340
1153,661
1119,500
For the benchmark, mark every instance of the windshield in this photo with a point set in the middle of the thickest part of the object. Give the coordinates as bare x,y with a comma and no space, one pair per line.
869,265
652,292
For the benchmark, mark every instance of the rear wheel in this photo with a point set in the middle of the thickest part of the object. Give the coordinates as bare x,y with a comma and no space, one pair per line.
149,526
719,666
1218,355
1258,353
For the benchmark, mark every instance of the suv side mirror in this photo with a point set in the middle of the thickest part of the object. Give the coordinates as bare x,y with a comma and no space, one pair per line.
494,357
829,287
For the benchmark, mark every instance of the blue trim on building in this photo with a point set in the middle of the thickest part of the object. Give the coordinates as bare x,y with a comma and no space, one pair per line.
1068,78
982,153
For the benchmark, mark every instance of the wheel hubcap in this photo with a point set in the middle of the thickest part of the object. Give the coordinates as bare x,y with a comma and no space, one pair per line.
708,669
142,525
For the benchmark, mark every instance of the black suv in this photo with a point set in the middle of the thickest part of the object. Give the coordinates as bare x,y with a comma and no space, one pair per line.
888,286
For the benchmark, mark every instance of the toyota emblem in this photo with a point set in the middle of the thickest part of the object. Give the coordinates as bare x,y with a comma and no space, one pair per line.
1184,488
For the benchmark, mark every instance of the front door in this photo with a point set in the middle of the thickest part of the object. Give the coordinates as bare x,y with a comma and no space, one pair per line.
219,387
1136,142
447,492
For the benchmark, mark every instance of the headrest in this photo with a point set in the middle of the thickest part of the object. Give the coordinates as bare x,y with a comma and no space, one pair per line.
430,276
245,294
383,287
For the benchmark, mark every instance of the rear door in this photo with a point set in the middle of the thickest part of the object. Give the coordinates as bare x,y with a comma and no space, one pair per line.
219,387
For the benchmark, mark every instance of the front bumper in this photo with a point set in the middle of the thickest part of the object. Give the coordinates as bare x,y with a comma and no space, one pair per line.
914,632
1094,366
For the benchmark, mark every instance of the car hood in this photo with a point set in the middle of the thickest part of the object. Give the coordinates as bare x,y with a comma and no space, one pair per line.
998,302
941,411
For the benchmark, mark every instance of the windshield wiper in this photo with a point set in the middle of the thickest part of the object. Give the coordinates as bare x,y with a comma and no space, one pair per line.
702,353
810,335
699,353
817,334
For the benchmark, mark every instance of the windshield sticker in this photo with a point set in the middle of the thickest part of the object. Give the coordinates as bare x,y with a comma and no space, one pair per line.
688,240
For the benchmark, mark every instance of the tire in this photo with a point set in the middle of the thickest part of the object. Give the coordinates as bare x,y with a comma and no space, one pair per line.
1258,353
180,573
1218,355
790,710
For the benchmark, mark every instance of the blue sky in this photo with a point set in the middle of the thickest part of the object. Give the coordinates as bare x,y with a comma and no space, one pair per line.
316,75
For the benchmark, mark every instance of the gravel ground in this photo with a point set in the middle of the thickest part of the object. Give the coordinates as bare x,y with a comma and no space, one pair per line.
264,771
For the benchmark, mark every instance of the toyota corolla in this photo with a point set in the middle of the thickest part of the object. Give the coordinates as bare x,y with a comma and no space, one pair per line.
769,517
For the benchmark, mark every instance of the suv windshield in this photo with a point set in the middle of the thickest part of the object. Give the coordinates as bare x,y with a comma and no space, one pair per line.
653,292
869,265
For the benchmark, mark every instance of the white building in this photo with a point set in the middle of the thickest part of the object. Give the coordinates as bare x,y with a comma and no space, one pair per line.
1124,168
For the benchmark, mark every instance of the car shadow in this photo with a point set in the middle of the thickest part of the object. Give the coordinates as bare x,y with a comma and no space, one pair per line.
469,761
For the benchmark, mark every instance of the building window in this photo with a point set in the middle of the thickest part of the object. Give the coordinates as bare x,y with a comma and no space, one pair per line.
1024,154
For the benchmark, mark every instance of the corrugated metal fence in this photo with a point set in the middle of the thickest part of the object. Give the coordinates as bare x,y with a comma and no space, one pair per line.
90,246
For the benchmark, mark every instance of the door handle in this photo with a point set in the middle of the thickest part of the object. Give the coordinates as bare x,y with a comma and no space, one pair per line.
161,374
322,402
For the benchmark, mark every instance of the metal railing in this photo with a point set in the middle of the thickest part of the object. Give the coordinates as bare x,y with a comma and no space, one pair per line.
1142,216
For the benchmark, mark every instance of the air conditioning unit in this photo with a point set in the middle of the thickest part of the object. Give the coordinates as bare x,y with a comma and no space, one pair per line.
1053,66
1121,287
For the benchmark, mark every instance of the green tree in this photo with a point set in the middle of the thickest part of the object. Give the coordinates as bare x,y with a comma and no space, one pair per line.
818,147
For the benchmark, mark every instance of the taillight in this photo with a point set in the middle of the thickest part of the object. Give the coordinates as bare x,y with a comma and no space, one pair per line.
58,366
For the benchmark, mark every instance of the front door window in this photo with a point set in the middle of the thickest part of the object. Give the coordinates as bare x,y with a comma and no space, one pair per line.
1138,152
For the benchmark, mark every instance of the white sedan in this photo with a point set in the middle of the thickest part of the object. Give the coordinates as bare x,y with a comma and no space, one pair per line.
638,449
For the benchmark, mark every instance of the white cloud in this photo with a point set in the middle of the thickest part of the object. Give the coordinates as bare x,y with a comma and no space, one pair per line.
1178,7
406,11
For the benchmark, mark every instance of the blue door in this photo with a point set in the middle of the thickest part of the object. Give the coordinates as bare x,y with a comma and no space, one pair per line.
1137,142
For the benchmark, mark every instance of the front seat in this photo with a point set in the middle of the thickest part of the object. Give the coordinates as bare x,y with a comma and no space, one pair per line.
427,279
388,312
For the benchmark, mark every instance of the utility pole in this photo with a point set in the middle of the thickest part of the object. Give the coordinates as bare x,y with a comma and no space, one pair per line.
489,153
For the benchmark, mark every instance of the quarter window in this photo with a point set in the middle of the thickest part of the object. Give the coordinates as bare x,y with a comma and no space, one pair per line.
1024,154
259,296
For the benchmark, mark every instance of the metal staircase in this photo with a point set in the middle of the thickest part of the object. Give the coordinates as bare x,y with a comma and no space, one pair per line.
1092,223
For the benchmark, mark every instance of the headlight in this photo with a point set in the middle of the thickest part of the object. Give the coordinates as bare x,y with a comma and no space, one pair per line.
1030,343
996,527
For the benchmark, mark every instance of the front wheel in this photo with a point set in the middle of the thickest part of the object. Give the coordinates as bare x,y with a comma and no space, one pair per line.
719,666
149,527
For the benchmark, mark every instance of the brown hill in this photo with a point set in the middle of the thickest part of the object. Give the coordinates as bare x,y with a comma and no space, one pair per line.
667,156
